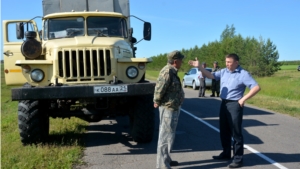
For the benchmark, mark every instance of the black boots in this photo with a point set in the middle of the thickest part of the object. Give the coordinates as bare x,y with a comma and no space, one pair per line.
213,94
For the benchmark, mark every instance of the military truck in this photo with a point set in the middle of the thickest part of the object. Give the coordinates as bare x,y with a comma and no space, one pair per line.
80,64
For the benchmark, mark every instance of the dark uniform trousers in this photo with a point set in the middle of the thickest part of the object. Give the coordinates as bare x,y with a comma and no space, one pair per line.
231,116
202,87
215,87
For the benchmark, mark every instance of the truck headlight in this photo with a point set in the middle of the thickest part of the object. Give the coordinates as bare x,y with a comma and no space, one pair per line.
132,72
37,75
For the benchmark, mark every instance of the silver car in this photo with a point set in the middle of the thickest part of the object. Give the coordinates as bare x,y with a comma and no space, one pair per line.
191,79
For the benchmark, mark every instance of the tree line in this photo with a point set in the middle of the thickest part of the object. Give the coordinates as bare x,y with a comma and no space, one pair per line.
290,62
258,56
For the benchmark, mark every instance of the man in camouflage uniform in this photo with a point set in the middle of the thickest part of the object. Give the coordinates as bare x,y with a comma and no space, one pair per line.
168,96
215,85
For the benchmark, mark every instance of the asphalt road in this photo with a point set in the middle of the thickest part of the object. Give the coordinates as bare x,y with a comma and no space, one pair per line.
272,140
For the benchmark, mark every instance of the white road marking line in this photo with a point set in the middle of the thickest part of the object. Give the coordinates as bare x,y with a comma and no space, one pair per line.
246,146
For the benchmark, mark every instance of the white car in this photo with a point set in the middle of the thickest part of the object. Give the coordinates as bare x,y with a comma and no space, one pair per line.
191,79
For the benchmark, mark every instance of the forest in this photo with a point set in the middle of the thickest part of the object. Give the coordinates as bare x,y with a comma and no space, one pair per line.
258,56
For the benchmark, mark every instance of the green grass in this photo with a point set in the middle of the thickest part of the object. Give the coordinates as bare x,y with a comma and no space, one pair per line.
279,93
63,149
289,67
284,84
152,75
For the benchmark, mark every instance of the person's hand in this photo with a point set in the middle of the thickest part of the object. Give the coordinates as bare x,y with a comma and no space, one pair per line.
155,105
193,63
241,102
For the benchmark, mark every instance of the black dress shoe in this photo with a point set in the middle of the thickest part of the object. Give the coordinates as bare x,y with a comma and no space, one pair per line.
235,165
212,95
221,157
174,163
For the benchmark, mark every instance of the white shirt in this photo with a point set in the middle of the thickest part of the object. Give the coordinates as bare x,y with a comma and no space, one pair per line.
200,76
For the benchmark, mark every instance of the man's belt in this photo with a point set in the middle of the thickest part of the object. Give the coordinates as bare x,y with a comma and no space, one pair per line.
227,101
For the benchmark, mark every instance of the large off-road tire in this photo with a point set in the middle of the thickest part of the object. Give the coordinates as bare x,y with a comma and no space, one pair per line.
33,122
142,119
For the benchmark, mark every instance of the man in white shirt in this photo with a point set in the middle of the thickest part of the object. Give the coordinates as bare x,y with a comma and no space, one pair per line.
202,82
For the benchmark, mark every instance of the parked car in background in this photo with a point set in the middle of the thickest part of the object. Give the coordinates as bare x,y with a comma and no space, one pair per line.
191,79
299,68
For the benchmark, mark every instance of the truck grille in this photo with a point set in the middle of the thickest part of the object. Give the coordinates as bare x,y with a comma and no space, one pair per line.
84,65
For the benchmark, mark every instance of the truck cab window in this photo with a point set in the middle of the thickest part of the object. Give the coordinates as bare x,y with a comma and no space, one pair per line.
65,27
107,26
124,28
45,30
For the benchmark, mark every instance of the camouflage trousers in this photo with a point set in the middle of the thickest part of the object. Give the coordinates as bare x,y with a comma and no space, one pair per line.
167,129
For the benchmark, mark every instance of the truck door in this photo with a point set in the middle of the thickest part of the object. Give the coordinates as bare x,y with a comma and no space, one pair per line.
12,50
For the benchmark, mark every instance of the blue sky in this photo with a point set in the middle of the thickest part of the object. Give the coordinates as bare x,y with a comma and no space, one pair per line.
178,24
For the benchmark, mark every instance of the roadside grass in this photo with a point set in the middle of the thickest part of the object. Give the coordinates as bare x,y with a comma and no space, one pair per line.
289,67
63,149
152,75
279,93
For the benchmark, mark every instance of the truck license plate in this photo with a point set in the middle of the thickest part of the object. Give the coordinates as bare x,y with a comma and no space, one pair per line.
110,89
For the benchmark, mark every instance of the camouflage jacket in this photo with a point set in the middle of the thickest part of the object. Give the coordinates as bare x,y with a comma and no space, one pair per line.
168,91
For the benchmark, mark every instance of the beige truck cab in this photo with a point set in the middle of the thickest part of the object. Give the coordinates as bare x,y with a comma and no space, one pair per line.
81,63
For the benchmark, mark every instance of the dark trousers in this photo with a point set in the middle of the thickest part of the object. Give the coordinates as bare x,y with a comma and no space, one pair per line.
215,86
202,87
231,116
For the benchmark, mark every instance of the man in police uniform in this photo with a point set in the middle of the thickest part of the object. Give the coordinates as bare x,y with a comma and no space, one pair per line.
168,96
234,80
215,85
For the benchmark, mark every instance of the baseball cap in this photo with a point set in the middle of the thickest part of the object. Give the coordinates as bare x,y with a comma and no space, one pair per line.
203,63
215,62
175,55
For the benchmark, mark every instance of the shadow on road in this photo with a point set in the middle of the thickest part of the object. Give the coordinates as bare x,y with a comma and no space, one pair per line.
191,135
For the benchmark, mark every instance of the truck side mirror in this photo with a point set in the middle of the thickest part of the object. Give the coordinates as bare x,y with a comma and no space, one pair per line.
147,31
133,40
20,30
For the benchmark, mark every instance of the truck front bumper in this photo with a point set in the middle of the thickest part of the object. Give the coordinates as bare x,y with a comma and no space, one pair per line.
72,92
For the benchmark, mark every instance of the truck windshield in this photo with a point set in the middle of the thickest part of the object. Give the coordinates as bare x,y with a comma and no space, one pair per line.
96,26
107,26
65,27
